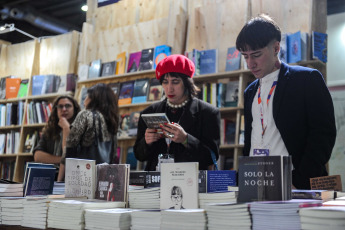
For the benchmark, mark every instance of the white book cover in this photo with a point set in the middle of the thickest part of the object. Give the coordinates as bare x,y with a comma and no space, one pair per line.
38,112
80,178
3,115
2,143
179,185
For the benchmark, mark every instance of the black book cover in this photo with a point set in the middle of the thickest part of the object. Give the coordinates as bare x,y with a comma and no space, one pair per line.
137,178
153,179
108,68
146,60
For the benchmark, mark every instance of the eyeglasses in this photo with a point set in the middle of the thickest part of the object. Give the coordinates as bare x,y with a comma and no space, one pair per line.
67,106
176,197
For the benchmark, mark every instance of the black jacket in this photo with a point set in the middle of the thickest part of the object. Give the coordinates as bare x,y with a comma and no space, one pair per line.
304,115
202,123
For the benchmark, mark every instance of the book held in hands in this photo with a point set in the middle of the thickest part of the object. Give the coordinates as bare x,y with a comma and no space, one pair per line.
154,120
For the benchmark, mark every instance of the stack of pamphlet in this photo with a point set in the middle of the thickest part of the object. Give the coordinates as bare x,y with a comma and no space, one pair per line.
69,214
326,217
146,219
217,197
108,218
222,215
12,210
35,210
146,198
183,219
275,214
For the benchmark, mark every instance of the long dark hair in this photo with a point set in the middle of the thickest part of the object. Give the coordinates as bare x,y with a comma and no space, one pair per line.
52,129
190,88
103,99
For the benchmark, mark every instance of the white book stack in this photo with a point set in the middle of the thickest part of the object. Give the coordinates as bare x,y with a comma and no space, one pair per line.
59,188
183,219
219,197
12,190
112,219
326,217
222,215
146,219
146,198
35,210
275,214
12,210
69,214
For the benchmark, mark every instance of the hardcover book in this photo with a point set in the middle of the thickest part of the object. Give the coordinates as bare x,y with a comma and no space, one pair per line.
208,61
233,59
95,69
319,46
37,84
29,165
179,185
264,178
40,181
12,87
108,68
161,52
133,62
112,182
155,90
140,90
121,63
80,178
146,59
126,93
294,47
23,88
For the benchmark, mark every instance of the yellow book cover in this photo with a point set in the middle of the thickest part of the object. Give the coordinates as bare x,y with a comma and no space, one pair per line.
121,63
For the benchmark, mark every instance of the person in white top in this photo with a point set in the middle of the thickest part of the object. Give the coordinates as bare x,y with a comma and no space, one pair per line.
288,110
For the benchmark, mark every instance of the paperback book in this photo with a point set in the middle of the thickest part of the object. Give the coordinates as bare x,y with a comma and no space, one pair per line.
294,47
146,59
233,59
133,62
95,69
126,93
154,120
208,61
319,46
108,68
155,90
40,181
12,87
121,63
140,90
161,52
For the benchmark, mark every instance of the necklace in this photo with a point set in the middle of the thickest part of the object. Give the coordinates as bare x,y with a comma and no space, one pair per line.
179,105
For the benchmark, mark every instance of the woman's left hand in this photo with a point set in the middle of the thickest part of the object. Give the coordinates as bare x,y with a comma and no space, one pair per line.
175,132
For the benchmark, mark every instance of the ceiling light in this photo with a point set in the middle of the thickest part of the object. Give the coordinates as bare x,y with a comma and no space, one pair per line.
84,8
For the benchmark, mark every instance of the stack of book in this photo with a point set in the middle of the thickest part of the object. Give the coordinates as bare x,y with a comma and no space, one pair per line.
146,219
222,215
12,210
275,214
184,219
69,214
218,197
59,188
147,198
108,219
10,188
323,218
35,212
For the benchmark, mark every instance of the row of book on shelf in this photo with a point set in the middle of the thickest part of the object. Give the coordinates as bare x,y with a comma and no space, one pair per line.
14,87
11,113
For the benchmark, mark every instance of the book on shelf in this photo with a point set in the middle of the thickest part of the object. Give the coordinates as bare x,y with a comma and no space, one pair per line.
12,87
133,123
80,178
115,86
146,59
51,84
12,142
140,90
7,169
112,182
319,46
154,120
228,132
121,59
294,47
108,68
23,88
264,178
194,56
30,142
233,59
67,83
305,47
40,181
126,93
208,61
130,159
133,62
124,125
231,96
82,96
179,185
3,88
161,52
241,136
2,143
83,72
95,69
283,54
155,90
2,115
216,181
37,84
312,194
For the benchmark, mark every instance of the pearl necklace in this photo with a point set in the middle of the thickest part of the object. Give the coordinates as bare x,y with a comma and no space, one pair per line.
177,106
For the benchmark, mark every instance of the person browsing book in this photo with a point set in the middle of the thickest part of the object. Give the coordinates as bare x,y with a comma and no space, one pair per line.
100,118
288,110
49,147
194,132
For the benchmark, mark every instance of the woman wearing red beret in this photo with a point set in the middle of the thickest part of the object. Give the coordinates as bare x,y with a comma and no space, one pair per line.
195,124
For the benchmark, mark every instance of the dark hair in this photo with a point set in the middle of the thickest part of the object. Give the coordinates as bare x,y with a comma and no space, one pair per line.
176,190
258,33
190,88
52,129
103,99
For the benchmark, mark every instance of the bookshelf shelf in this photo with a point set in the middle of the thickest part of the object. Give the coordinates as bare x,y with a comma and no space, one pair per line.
48,96
8,155
125,76
10,127
40,125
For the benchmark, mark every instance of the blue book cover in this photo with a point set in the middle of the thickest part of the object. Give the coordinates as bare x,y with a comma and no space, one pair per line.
40,181
319,46
131,160
161,52
233,59
126,93
208,61
218,181
37,84
140,91
294,47
35,165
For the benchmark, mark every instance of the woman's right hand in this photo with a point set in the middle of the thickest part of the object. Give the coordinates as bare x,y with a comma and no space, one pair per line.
151,136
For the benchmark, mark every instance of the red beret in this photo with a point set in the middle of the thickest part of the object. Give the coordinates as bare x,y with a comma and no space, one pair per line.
175,63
